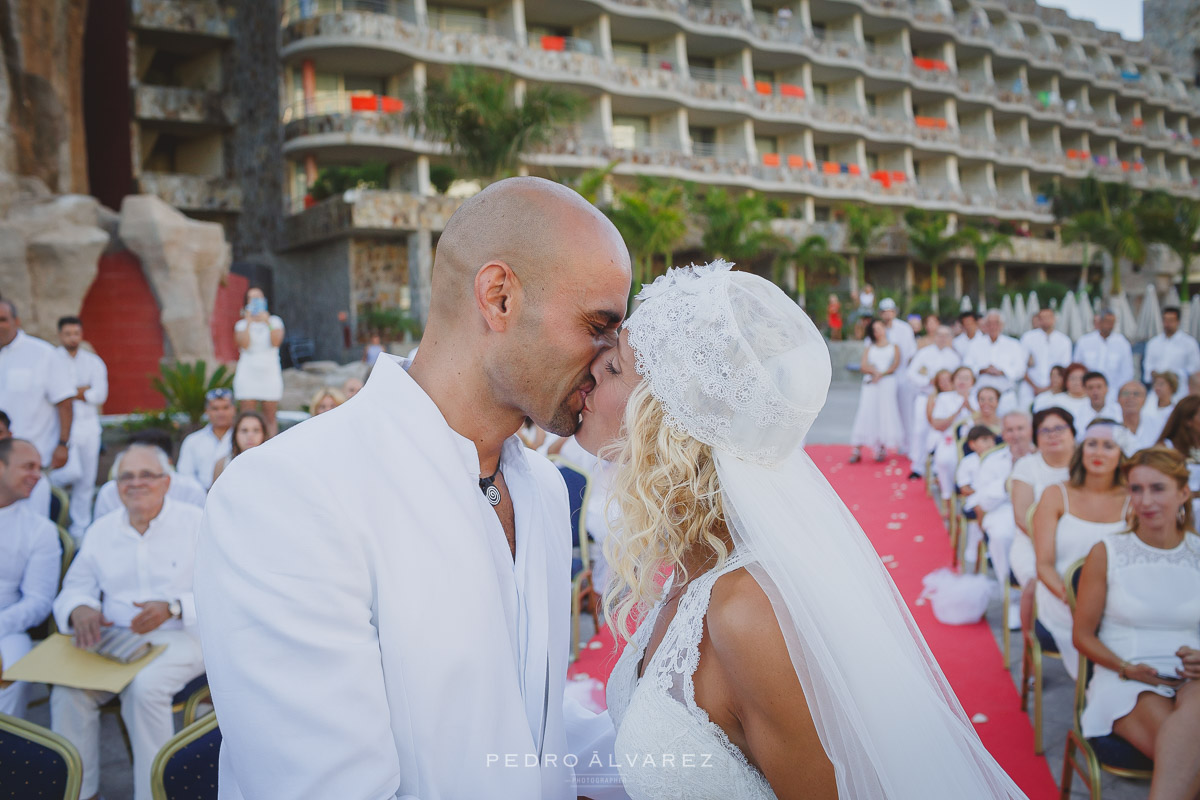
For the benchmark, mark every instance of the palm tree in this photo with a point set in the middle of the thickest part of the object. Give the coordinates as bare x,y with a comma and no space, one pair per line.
929,241
1174,222
1085,227
736,227
590,182
652,219
1106,215
812,253
984,243
487,130
865,226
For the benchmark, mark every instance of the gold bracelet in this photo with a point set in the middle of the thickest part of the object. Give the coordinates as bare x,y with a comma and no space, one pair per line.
1121,671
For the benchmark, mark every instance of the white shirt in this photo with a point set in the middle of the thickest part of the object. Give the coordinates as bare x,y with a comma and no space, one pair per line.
967,470
962,342
1112,357
1179,354
1005,353
1148,430
929,361
200,452
382,579
1045,351
900,333
1034,471
126,567
183,489
86,369
1086,414
991,481
33,380
30,560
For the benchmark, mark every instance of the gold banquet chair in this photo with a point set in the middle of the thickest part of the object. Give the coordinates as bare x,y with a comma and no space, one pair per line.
36,762
186,766
1111,753
1038,645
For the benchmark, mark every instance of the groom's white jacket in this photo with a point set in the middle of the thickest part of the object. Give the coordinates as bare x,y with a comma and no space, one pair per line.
367,634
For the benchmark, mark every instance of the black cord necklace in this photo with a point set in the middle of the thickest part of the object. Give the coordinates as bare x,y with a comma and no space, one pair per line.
489,488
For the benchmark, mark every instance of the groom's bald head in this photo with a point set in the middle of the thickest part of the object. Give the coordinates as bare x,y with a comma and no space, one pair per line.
532,279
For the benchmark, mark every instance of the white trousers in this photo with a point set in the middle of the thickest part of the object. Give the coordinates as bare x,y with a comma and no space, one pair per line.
905,392
14,699
145,708
1000,528
80,474
918,437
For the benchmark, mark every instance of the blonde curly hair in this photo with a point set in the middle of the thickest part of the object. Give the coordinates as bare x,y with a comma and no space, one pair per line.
665,486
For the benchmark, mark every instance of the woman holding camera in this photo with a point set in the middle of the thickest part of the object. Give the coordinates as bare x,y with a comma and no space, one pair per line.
259,376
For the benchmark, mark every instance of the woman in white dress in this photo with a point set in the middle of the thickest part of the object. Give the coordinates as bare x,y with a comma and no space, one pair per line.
950,411
259,376
1054,438
877,422
1070,519
1162,396
778,653
1058,385
1138,619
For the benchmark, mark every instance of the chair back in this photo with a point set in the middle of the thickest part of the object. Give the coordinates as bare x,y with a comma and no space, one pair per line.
68,552
579,489
60,506
36,762
186,766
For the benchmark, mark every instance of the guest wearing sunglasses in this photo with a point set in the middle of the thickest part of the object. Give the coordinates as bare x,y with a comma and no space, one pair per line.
200,451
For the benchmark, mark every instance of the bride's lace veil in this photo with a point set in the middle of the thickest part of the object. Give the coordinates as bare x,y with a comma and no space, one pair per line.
739,366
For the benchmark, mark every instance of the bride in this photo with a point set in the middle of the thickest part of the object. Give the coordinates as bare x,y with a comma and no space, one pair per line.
777,660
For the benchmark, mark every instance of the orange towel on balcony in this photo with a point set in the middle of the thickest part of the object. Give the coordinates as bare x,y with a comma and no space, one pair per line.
391,105
1125,166
940,66
791,90
1085,154
359,102
1072,154
1137,123
554,43
830,168
855,169
763,87
770,159
899,176
923,63
795,162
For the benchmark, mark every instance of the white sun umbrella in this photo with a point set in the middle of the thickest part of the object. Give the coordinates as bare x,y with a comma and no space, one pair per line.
1010,320
1172,298
965,305
1032,306
1020,315
1068,317
1126,321
1087,311
1149,321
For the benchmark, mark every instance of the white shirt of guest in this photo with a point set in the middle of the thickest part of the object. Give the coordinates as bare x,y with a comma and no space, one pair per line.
1045,351
86,369
1112,357
962,342
929,361
1086,414
991,481
124,567
33,380
1148,429
900,333
183,489
389,576
200,452
1005,353
30,560
1179,354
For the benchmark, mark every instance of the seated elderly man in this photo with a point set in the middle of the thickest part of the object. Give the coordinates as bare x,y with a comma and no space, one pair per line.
29,562
991,500
135,571
183,488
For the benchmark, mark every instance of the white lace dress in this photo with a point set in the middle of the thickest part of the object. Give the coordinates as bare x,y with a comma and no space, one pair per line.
666,746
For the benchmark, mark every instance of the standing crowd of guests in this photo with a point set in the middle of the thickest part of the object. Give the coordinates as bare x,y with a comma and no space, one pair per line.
132,537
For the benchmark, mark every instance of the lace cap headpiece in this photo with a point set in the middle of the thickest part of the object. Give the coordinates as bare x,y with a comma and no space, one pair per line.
733,361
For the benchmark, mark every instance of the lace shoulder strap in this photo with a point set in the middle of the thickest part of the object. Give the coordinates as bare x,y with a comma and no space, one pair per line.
1062,487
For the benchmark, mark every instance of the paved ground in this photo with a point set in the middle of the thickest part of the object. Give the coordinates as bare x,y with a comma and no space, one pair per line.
832,427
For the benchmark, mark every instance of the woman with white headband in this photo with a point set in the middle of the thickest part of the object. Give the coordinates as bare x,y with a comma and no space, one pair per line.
778,649
1070,519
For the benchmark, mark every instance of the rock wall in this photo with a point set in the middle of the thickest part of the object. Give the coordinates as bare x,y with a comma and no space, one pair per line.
184,260
41,95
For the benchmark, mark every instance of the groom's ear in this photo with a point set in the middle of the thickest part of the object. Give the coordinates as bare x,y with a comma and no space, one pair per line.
497,294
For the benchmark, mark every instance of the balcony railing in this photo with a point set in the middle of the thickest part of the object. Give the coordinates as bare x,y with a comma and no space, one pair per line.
201,17
177,104
192,192
562,44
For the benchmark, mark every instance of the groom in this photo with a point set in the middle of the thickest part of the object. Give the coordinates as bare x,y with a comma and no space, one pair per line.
383,592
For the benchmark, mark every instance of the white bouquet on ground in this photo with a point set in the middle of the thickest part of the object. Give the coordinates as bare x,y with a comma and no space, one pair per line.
957,599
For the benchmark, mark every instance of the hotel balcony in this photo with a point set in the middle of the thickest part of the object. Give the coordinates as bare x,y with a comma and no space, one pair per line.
193,193
181,17
177,105
368,211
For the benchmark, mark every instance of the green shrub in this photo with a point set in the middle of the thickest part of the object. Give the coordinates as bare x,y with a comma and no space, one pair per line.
183,385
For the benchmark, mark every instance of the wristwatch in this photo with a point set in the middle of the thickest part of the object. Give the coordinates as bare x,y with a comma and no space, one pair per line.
63,443
176,608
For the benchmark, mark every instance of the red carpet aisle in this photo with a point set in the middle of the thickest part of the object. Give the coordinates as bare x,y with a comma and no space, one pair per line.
904,526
